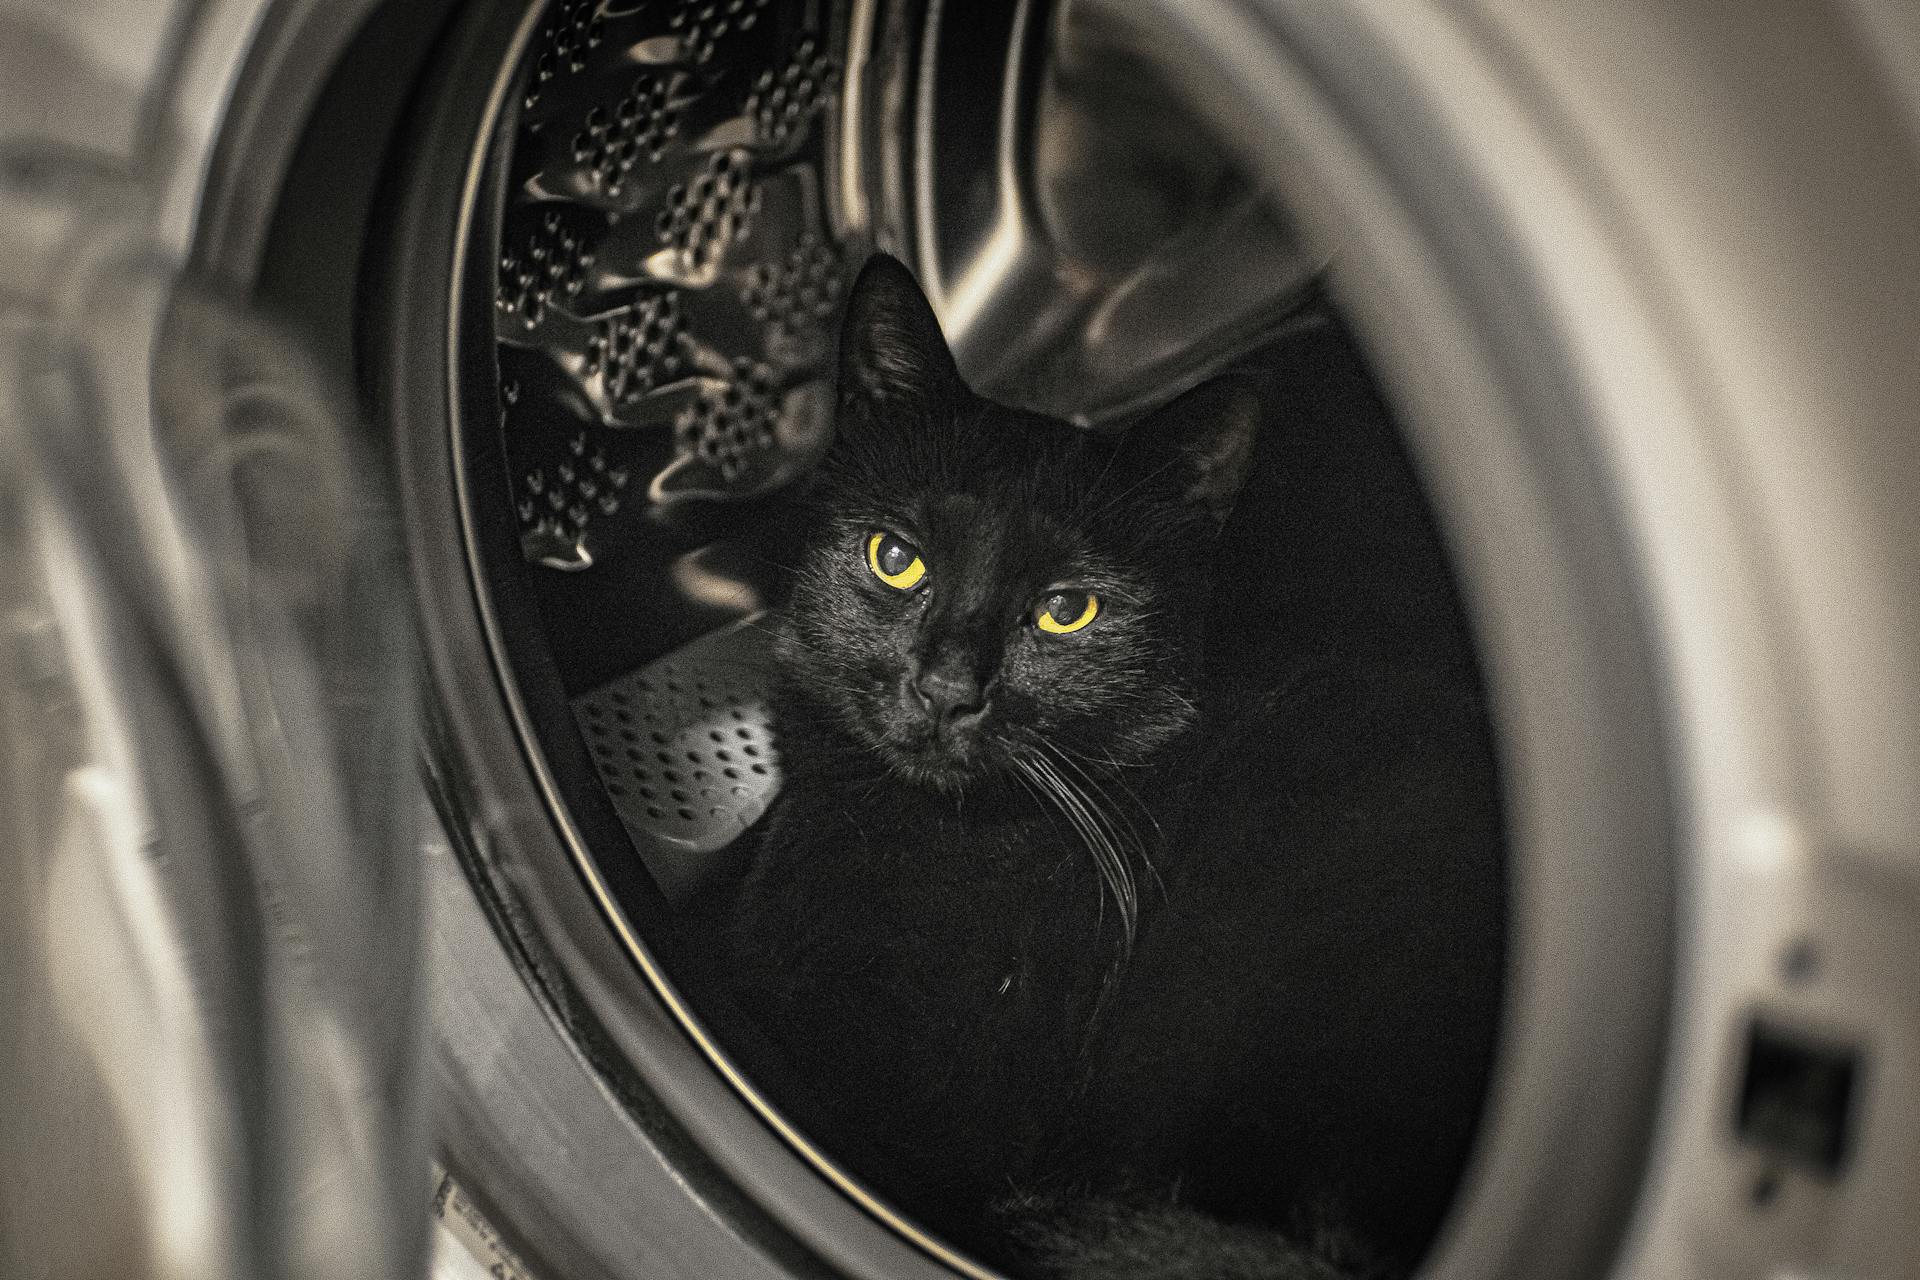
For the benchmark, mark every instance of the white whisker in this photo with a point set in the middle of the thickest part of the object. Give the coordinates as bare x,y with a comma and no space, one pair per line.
1134,839
1103,841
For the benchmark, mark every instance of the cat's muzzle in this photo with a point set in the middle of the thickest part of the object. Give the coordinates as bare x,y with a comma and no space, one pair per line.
939,736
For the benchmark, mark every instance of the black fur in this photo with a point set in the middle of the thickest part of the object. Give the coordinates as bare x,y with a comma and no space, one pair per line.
1167,946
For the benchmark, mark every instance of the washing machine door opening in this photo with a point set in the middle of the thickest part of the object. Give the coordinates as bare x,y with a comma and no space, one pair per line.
679,216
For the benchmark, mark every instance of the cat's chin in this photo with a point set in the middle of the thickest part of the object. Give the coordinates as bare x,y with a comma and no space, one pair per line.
931,773
938,764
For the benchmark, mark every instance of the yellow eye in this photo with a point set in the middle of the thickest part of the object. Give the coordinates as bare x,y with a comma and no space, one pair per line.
895,561
1065,612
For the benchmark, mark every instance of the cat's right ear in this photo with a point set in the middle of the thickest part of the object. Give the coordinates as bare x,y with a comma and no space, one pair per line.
892,353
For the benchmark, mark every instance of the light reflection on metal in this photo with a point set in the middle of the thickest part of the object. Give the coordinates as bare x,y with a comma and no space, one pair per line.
1121,253
208,912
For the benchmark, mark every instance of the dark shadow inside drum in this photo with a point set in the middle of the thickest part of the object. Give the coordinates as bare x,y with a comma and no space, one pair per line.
673,245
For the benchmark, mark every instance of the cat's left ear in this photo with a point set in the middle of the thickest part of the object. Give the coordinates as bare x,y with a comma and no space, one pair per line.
1201,443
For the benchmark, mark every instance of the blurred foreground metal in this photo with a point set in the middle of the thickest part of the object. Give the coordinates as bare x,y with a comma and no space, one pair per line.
209,916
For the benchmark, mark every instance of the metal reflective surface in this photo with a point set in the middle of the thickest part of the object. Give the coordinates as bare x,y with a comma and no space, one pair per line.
686,747
1091,242
208,907
666,275
686,189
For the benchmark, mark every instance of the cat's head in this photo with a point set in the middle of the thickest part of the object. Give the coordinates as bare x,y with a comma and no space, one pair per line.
985,585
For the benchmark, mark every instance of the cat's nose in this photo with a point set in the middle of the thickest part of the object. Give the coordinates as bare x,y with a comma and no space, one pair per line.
949,697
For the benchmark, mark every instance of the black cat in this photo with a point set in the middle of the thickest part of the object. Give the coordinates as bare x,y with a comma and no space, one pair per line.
1097,949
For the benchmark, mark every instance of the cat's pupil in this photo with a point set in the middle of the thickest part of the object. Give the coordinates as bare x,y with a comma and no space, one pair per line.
895,556
1065,607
